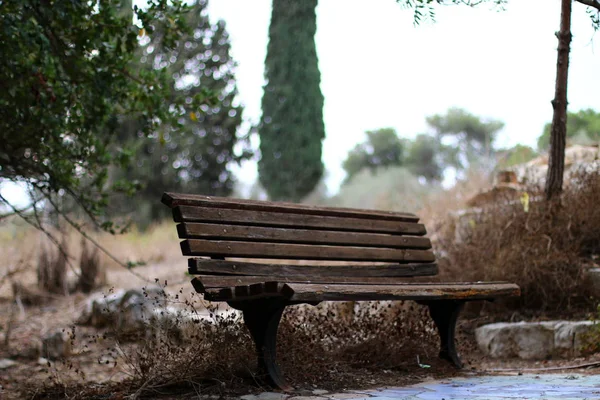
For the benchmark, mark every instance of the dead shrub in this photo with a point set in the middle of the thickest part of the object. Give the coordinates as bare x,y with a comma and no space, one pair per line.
91,274
545,249
52,267
202,347
318,343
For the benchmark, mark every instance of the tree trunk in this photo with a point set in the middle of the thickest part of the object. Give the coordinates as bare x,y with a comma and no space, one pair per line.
558,133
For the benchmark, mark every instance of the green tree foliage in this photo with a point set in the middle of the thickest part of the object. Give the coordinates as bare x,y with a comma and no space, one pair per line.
392,188
425,157
583,127
382,148
66,72
291,128
193,154
471,136
516,155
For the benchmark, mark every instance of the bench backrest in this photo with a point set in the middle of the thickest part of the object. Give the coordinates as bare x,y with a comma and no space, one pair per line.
221,227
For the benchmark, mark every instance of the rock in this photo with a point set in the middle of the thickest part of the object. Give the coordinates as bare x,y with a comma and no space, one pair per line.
319,392
306,398
99,308
272,396
126,311
533,340
56,345
524,340
265,396
341,396
6,363
569,336
173,323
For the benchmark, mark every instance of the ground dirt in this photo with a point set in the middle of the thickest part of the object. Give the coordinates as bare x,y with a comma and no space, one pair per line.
97,367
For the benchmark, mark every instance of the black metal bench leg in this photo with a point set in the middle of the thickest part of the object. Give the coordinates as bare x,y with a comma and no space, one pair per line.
262,319
444,314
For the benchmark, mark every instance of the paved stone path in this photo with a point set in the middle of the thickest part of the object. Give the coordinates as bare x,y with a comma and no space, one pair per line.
516,387
550,387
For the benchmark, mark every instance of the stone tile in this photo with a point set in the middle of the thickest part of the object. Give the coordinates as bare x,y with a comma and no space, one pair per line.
272,396
344,396
306,398
549,387
7,363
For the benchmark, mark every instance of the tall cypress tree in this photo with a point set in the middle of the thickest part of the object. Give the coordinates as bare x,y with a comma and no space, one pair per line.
291,128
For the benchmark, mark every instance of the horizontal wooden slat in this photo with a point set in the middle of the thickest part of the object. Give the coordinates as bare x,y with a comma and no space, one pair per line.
224,248
263,218
298,292
457,291
216,281
178,199
300,236
253,291
221,267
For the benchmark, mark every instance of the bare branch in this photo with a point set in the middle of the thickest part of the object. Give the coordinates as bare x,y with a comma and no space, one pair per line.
10,214
93,241
38,225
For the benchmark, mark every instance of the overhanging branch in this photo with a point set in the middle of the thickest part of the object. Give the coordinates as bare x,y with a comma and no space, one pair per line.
590,3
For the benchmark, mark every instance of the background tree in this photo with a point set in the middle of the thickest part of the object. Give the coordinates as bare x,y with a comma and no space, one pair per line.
471,136
518,154
291,128
193,155
583,127
382,148
426,157
66,79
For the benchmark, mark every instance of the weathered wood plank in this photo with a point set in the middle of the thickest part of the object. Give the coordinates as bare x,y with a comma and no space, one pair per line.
178,199
299,236
220,267
263,218
298,292
253,292
216,281
440,291
224,248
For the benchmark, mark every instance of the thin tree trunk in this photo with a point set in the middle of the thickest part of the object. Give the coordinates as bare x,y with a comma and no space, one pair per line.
558,133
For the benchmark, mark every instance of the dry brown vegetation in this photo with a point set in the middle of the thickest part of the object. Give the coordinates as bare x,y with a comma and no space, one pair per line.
205,350
546,248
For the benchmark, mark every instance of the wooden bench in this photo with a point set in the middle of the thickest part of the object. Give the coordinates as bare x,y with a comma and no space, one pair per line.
383,249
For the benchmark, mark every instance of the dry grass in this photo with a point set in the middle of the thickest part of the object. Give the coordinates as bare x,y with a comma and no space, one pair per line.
546,249
202,350
436,210
25,249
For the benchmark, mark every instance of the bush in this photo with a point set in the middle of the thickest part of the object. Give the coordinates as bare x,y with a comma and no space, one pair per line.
187,347
315,346
546,248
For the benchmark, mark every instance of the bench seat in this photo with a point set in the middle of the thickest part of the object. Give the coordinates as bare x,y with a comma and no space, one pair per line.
318,292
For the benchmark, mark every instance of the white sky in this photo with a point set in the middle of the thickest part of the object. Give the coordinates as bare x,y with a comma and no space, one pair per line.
378,70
